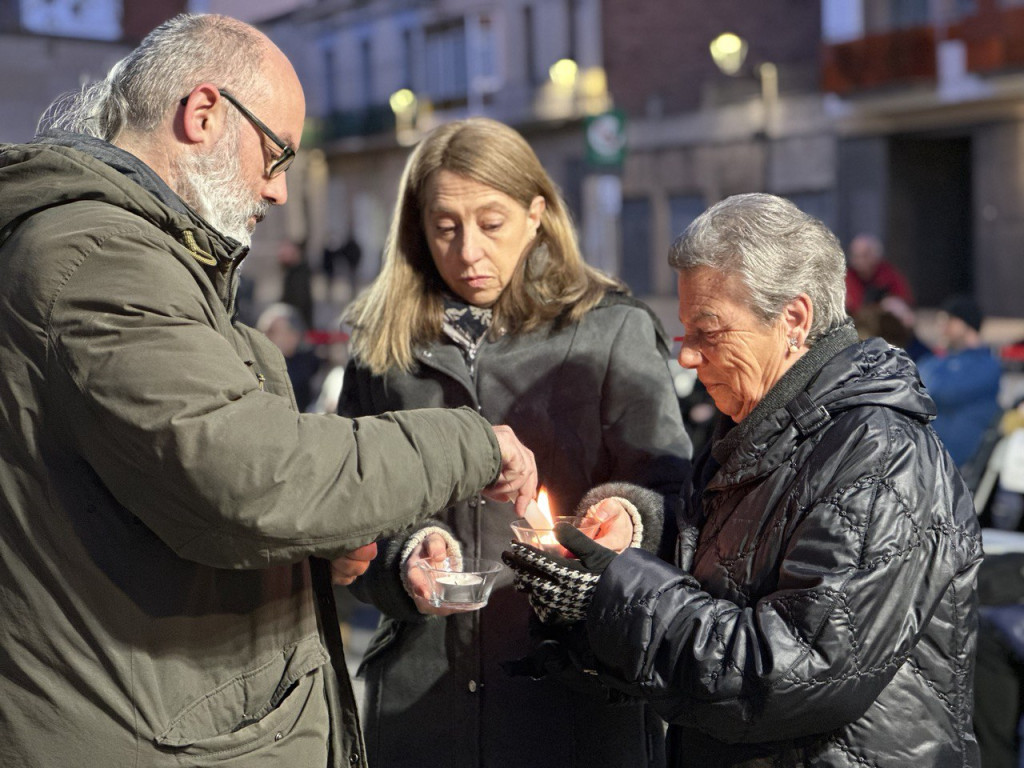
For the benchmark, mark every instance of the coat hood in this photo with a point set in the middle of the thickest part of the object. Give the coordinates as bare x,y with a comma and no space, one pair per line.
59,168
872,373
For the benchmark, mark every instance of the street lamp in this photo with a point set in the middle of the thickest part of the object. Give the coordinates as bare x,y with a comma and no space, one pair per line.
729,52
563,73
403,104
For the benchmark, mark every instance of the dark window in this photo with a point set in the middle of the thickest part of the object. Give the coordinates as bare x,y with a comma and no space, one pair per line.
530,47
682,210
445,47
366,71
407,59
636,244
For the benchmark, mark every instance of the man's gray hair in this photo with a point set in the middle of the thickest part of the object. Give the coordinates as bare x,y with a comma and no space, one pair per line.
777,250
181,53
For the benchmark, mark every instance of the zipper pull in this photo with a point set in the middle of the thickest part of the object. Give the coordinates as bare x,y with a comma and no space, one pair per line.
260,378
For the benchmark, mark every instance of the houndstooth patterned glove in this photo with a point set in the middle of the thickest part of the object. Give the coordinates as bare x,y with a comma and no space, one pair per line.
560,589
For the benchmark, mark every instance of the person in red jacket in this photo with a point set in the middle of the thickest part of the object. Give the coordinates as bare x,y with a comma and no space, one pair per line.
870,278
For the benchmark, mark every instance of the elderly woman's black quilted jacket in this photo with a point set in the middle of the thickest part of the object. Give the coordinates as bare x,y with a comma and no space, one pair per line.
836,550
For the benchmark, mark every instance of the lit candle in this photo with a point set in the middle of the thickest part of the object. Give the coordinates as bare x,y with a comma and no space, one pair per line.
538,515
538,512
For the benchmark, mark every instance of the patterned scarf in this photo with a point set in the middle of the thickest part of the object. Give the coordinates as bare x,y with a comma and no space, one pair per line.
465,324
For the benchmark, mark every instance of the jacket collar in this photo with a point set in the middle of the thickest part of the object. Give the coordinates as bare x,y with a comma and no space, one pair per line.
125,163
207,245
793,383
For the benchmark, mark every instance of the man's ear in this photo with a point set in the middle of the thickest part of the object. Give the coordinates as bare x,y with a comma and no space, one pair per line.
202,119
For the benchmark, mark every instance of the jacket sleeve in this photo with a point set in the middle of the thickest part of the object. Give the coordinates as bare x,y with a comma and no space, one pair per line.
860,575
169,414
381,585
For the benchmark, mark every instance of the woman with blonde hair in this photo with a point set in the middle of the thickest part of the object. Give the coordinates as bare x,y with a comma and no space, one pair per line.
485,301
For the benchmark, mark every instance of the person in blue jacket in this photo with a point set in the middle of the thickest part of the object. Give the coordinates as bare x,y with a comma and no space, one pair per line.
964,382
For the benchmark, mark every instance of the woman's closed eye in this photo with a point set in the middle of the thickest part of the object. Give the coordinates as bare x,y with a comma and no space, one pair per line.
700,338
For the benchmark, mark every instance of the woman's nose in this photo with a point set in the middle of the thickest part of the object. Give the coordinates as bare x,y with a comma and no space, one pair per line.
470,249
689,356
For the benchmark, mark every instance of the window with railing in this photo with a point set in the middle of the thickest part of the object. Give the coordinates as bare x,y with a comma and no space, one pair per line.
98,20
484,52
889,15
408,57
446,80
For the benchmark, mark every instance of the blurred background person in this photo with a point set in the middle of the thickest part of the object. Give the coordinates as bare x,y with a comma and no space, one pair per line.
963,380
870,278
895,321
697,406
296,280
347,256
484,300
284,326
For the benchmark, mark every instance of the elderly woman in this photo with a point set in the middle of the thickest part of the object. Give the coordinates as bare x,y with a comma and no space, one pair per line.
822,608
485,301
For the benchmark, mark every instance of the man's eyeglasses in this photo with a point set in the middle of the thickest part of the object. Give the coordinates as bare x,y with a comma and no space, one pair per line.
276,165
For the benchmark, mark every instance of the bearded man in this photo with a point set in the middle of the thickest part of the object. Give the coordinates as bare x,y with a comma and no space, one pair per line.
169,522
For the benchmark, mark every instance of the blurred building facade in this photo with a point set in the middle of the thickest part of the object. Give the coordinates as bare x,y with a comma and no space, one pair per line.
897,117
927,99
903,118
49,47
379,74
621,101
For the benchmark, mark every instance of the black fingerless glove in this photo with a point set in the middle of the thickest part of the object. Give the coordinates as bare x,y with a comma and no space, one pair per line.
560,589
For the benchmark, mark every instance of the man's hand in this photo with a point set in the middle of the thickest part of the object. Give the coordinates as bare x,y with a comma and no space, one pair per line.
352,565
518,479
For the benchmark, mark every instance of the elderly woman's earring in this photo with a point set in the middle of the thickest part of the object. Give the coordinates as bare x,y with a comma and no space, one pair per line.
793,346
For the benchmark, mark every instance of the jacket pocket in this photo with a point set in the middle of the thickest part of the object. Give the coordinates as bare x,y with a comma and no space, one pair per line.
253,708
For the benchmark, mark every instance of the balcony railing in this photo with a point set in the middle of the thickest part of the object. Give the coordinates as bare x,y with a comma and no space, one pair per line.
994,39
342,124
901,57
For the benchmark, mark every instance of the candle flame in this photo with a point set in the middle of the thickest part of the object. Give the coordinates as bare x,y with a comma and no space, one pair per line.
546,539
545,507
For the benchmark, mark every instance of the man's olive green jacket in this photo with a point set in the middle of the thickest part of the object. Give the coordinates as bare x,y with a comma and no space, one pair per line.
160,495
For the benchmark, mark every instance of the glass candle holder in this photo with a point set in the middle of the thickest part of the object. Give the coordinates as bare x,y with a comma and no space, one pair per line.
543,537
461,584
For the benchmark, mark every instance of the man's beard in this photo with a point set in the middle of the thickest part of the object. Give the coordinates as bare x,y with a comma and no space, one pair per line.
211,182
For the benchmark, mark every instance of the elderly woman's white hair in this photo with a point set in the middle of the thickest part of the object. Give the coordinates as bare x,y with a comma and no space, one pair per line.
777,250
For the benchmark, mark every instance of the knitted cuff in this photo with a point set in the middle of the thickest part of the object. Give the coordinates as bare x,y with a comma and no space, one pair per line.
416,539
638,522
646,510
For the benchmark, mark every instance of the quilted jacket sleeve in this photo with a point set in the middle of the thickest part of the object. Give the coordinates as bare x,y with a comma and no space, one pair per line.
862,569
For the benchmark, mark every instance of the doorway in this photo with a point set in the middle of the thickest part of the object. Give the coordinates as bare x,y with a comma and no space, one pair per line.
929,215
